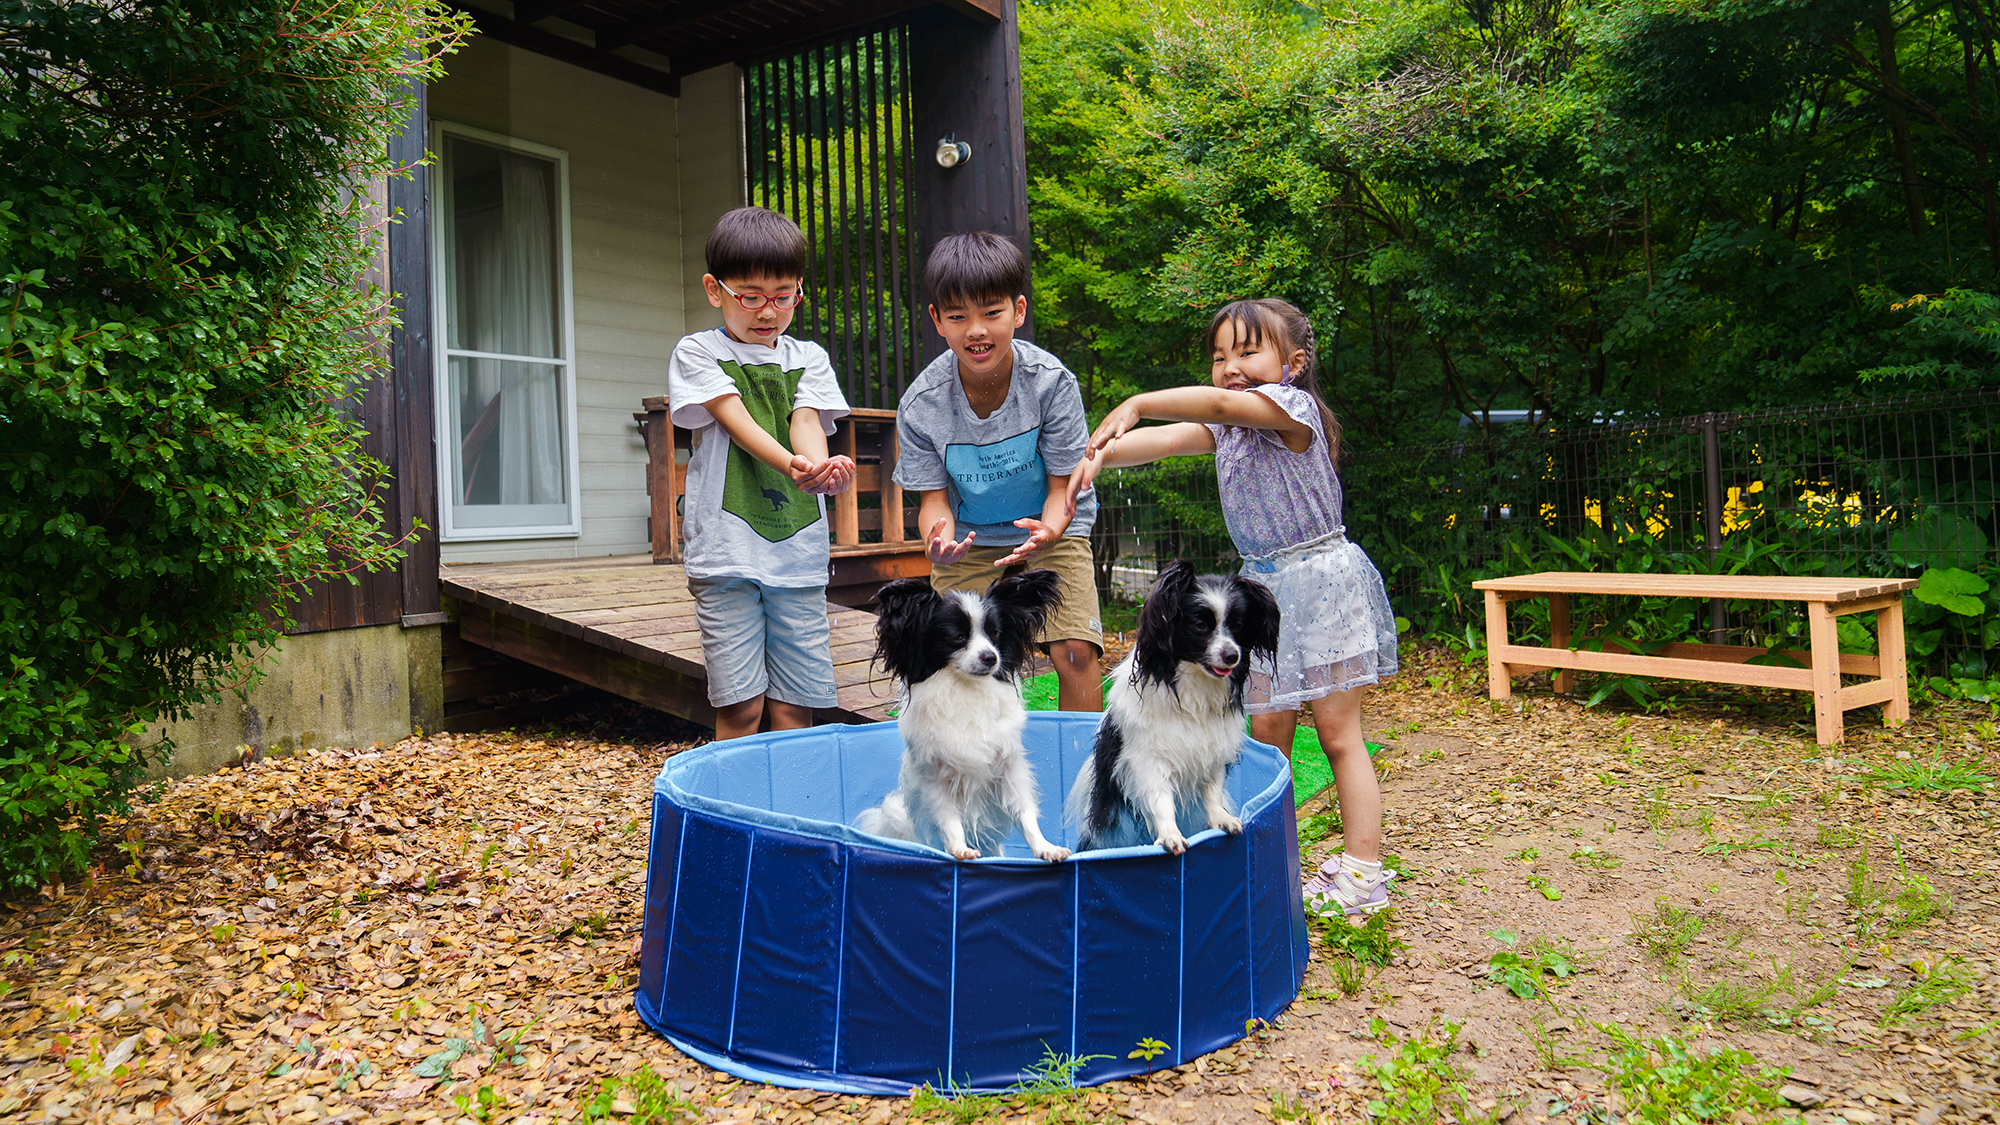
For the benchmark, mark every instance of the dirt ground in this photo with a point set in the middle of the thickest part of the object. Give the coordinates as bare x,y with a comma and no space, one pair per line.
382,934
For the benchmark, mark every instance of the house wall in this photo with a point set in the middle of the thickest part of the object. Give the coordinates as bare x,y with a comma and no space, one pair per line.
627,273
711,152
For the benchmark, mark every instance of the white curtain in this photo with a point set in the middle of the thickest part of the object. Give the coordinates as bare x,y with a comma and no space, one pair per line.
504,296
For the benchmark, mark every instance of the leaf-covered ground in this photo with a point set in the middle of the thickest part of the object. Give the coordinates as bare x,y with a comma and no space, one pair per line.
380,934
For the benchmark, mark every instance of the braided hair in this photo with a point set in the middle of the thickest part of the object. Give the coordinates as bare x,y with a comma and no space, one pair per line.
1292,332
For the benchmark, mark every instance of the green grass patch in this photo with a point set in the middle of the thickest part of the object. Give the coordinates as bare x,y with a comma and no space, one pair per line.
644,1098
1936,775
1663,1082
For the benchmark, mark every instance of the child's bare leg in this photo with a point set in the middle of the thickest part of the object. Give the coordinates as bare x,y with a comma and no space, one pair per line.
786,716
1277,728
1338,719
1079,676
737,720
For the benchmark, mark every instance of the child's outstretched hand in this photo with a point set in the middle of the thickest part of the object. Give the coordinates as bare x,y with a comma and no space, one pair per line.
1122,418
1086,471
1039,535
942,551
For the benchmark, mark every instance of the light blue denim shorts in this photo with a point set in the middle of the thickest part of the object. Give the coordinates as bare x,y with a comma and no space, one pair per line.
773,641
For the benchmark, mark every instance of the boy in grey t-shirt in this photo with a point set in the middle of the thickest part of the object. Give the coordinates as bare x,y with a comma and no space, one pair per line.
990,432
761,405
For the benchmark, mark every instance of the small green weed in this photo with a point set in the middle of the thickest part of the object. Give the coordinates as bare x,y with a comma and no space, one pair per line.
1549,1051
1317,827
1936,775
1289,1107
640,1099
1542,884
1418,1082
1837,836
1349,975
1884,909
482,1106
1662,1082
1368,943
1149,1049
1595,859
1525,971
1727,1000
1757,842
1049,1085
1668,931
1946,982
1527,855
1659,810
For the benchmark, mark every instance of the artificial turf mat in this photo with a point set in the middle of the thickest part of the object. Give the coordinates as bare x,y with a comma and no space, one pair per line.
1310,773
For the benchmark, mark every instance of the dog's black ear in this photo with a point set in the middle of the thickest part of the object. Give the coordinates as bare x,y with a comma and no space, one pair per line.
1158,620
902,619
1023,602
1259,632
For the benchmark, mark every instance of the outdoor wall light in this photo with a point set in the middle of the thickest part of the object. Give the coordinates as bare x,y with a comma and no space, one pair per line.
951,152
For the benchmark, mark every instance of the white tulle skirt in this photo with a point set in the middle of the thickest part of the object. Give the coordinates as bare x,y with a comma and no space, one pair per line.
1335,631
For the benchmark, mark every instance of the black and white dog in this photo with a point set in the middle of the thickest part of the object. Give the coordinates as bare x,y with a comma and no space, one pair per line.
965,777
1173,715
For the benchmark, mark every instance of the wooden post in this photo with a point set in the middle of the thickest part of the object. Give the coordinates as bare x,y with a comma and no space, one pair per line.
410,361
892,493
1498,686
846,515
1559,636
1890,656
661,480
1711,456
965,82
1827,717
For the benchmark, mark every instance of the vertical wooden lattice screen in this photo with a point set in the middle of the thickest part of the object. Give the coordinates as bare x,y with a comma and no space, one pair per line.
828,140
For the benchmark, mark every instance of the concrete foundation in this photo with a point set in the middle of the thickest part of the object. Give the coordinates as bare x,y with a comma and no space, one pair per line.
345,687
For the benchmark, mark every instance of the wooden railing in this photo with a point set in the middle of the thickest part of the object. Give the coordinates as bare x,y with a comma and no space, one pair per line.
867,436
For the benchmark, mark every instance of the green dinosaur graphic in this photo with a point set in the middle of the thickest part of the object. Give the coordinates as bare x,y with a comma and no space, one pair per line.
752,491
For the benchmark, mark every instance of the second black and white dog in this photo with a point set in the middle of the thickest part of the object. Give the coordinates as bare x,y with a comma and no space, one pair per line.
1173,715
965,777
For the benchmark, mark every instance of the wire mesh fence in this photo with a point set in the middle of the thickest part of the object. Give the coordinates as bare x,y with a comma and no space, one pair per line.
1893,487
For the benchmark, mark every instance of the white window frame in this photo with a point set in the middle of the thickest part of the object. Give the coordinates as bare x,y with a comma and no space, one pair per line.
443,353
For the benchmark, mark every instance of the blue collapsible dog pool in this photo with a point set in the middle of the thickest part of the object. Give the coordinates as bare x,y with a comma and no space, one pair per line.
784,946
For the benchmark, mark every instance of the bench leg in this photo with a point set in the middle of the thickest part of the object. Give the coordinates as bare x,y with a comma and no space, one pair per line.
1498,686
1559,638
1827,716
1889,646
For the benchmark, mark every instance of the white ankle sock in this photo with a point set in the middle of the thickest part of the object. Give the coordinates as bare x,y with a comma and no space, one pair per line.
1362,870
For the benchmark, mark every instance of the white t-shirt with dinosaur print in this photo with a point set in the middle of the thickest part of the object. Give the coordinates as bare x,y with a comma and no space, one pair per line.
742,518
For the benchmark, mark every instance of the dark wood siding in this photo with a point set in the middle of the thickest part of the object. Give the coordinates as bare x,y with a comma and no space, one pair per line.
394,408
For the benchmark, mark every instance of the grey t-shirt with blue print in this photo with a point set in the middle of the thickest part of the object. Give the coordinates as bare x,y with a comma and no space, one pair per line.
995,469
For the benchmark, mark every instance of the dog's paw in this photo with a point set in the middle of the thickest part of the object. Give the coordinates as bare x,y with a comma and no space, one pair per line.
1052,853
1227,823
1174,842
965,853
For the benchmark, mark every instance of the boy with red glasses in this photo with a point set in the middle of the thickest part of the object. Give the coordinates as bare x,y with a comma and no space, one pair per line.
761,405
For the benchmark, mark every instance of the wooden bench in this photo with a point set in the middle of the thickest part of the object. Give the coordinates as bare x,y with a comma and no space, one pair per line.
1825,599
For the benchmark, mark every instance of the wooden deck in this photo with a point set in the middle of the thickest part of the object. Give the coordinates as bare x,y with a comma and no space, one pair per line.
626,625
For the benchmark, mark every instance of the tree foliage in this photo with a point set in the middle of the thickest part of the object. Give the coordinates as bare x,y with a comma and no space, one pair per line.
184,223
1582,207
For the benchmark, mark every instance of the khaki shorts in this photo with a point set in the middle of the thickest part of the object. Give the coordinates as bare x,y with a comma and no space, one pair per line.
1075,616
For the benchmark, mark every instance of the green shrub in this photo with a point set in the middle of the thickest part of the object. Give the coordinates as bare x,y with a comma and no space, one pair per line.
180,330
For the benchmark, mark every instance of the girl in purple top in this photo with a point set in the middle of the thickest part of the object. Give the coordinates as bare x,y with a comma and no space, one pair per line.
1275,443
